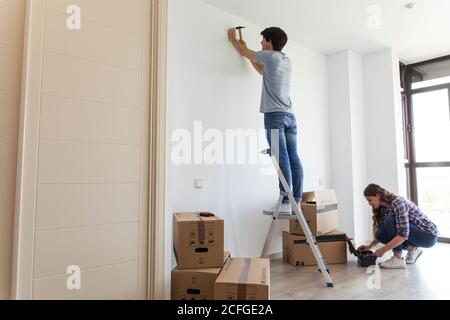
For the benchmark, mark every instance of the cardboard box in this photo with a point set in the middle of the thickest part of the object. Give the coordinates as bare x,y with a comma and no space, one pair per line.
244,279
320,209
333,247
195,284
198,241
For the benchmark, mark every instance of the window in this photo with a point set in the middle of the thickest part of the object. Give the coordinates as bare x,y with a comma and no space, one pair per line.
426,114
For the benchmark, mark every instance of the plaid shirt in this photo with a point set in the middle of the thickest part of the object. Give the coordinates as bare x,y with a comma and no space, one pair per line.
406,212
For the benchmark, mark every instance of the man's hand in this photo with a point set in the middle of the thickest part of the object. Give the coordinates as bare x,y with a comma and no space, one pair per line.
232,35
241,46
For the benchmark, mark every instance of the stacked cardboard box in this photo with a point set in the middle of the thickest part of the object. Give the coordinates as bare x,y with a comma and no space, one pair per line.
198,241
195,284
297,252
205,272
320,209
244,279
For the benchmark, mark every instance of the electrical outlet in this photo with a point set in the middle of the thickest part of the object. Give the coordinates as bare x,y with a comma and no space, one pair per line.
198,183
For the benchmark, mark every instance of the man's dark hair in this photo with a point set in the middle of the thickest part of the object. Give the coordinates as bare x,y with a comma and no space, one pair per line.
278,37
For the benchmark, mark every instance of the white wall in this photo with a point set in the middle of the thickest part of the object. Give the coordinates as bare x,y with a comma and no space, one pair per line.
12,16
362,212
383,113
340,106
345,78
366,133
83,161
209,82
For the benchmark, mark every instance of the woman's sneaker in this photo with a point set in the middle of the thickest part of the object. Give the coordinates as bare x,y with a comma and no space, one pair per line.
394,263
413,255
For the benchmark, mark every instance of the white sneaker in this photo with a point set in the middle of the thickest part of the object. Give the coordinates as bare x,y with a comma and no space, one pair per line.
413,255
394,263
285,209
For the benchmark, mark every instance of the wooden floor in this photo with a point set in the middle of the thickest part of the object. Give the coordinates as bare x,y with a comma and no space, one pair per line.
428,279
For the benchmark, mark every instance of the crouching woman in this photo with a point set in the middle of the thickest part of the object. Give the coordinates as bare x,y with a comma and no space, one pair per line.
399,225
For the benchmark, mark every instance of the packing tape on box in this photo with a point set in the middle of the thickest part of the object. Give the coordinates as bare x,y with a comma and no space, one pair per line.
264,276
201,230
323,238
242,285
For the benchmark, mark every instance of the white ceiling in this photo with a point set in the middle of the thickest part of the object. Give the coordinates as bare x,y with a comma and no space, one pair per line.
333,25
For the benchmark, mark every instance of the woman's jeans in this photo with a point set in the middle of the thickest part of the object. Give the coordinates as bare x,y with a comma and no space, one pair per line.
417,237
281,130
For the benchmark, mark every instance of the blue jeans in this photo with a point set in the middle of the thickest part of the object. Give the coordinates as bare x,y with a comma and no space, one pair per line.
282,126
417,237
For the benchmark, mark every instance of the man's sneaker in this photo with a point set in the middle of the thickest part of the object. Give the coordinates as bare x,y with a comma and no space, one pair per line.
285,209
394,263
413,255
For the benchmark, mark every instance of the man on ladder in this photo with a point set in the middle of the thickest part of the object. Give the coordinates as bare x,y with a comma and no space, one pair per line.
280,124
276,104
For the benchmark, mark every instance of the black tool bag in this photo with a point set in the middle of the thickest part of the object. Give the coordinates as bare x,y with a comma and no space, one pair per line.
365,258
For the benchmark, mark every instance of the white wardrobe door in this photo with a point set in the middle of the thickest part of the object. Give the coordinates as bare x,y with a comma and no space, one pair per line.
12,16
84,154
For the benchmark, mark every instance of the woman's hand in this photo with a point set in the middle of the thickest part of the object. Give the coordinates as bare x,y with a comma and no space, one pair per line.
379,253
364,248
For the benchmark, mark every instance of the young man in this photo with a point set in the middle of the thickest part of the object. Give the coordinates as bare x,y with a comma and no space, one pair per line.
276,104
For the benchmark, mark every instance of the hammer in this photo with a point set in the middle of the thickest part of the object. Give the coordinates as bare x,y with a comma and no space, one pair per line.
240,32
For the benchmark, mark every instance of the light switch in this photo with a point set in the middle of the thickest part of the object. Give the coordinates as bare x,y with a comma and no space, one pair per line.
198,183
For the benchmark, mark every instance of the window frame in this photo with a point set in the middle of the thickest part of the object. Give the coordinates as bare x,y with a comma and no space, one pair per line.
411,164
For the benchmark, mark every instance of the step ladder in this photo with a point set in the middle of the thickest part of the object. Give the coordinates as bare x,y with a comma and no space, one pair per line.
310,239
